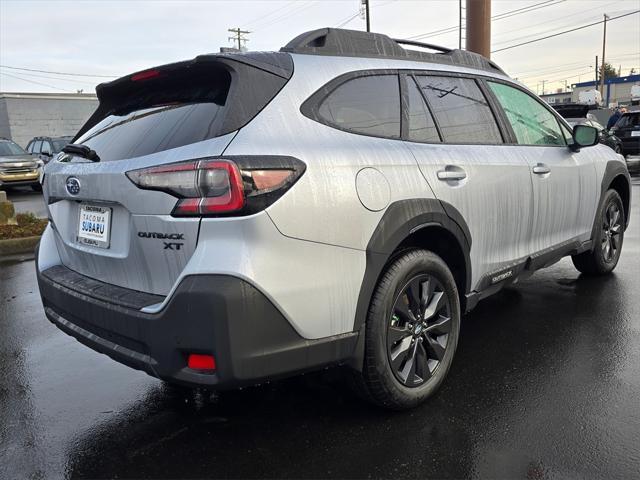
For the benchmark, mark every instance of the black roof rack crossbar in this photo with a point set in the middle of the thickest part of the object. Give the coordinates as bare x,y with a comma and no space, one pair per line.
430,46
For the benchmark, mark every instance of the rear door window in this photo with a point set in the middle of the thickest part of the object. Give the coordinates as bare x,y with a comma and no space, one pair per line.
421,126
368,105
532,122
461,110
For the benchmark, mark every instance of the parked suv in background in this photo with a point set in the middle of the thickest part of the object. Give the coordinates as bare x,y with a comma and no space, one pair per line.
241,217
576,114
17,167
627,128
46,147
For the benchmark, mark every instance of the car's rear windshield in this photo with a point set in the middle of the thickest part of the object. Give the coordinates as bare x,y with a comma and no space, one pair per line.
175,106
629,120
165,115
10,149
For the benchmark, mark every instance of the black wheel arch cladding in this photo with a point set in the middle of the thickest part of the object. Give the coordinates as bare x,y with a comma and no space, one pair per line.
615,176
399,222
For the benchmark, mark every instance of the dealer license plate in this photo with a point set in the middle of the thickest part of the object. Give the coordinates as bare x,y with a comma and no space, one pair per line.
94,226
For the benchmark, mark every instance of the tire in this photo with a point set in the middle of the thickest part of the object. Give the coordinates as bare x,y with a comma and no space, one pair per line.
608,238
36,187
392,338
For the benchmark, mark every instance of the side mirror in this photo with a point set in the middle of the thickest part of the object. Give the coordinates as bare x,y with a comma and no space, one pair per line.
584,136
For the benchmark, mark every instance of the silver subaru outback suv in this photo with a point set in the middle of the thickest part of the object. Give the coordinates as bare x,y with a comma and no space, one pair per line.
241,217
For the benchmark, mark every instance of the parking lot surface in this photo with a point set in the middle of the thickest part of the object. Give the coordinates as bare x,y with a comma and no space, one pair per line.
545,384
26,200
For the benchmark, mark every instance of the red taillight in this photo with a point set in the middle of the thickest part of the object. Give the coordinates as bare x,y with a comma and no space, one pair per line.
201,362
222,186
204,187
146,75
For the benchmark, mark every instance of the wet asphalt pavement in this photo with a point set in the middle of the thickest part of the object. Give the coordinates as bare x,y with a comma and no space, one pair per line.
26,200
545,384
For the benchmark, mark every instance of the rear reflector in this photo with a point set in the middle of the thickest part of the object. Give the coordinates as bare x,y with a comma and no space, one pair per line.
201,362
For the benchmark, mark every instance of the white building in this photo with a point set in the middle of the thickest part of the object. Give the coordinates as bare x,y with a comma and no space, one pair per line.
27,115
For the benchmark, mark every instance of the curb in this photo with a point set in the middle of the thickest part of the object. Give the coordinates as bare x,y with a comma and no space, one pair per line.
18,245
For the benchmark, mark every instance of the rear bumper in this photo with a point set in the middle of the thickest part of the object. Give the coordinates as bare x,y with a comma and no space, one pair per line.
208,314
631,145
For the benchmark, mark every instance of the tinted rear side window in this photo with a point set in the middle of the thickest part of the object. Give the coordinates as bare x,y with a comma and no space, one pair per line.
461,110
368,105
421,127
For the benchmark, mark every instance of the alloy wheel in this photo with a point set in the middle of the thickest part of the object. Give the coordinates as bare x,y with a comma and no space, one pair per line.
418,330
611,230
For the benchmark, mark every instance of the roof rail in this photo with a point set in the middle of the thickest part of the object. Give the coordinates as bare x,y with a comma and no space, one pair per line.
356,43
431,46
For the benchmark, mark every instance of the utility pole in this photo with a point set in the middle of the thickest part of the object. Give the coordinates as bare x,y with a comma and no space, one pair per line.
238,36
543,82
596,84
459,24
478,31
604,44
366,14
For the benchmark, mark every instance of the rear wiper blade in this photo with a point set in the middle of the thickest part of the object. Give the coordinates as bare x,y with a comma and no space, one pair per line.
82,151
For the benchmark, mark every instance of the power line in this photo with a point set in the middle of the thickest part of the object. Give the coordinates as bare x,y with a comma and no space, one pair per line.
500,16
263,17
294,12
554,20
347,20
34,82
547,31
59,73
566,31
73,80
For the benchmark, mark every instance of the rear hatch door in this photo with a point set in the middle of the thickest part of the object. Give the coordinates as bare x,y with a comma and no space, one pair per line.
105,226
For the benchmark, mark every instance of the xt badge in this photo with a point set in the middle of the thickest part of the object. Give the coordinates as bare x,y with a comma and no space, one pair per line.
165,236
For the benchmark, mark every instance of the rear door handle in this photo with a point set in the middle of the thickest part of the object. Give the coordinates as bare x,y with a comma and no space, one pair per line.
451,175
541,169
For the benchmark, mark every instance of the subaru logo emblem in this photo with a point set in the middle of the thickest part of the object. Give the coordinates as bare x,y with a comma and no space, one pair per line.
73,186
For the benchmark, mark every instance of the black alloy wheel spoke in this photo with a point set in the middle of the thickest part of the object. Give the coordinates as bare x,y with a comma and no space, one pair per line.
418,330
434,349
396,334
413,295
441,326
611,230
402,309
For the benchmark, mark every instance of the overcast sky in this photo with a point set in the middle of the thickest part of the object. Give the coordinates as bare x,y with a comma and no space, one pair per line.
119,37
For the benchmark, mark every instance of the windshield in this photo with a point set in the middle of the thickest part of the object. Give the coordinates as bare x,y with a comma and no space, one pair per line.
9,149
58,145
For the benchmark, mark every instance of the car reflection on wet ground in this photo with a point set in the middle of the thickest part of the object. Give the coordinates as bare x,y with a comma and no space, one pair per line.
546,383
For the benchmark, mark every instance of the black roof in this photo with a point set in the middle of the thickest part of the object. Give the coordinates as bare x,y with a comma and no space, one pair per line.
355,43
